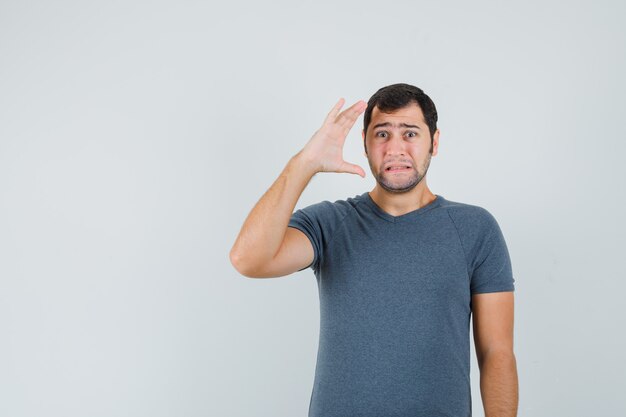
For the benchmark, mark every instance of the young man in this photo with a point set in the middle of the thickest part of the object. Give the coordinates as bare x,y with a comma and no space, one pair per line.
400,270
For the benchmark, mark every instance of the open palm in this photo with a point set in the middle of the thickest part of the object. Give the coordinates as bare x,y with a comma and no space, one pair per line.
325,147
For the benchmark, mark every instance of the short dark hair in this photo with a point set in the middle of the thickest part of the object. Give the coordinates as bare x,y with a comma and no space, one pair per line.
397,96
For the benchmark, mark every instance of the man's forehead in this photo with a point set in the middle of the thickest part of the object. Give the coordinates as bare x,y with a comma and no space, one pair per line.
410,113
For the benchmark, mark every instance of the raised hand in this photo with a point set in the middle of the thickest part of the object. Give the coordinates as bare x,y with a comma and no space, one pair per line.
325,148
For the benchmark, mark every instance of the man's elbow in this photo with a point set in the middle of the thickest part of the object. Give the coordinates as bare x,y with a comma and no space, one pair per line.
243,265
237,262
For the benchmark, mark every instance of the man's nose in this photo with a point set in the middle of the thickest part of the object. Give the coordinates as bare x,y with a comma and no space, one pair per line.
396,145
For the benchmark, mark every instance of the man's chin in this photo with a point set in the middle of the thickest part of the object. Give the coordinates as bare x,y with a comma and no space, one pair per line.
397,188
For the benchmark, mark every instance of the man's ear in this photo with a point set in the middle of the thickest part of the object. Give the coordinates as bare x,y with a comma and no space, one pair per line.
435,142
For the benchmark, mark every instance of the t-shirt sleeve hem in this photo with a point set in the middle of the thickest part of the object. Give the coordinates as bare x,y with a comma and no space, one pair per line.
494,289
315,254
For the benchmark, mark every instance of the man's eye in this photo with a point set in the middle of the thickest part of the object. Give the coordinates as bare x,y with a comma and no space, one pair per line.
411,134
381,134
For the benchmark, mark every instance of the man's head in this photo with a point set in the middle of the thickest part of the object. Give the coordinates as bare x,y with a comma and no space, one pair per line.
396,96
400,129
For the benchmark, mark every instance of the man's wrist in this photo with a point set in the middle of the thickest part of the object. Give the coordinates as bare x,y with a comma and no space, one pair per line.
303,163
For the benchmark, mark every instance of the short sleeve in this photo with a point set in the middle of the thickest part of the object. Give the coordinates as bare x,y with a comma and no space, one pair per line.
319,222
310,227
491,267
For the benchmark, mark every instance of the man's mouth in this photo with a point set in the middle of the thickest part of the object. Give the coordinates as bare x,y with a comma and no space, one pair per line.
395,168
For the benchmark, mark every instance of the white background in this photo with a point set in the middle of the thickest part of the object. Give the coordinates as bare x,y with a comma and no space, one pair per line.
135,137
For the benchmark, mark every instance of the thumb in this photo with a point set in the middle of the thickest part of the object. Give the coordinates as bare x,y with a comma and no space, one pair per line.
352,169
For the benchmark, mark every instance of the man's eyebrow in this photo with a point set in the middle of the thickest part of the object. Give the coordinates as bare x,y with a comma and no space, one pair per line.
396,125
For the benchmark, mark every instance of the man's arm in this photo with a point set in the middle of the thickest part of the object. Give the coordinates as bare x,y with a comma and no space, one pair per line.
493,338
265,247
265,228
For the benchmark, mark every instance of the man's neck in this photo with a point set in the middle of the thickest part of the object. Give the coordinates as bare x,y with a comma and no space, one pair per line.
398,204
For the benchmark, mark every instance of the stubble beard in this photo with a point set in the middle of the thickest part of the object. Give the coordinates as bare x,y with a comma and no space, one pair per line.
385,180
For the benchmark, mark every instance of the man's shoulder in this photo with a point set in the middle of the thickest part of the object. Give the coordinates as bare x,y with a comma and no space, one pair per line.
337,207
468,216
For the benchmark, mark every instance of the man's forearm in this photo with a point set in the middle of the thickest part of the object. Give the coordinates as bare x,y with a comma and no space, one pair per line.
263,230
499,385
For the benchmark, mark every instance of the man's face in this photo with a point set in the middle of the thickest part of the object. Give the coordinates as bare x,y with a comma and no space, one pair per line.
398,148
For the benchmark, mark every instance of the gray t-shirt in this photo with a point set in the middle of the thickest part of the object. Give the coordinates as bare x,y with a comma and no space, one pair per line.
395,304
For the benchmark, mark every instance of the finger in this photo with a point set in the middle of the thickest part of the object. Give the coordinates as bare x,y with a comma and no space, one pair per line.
352,169
332,115
349,115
